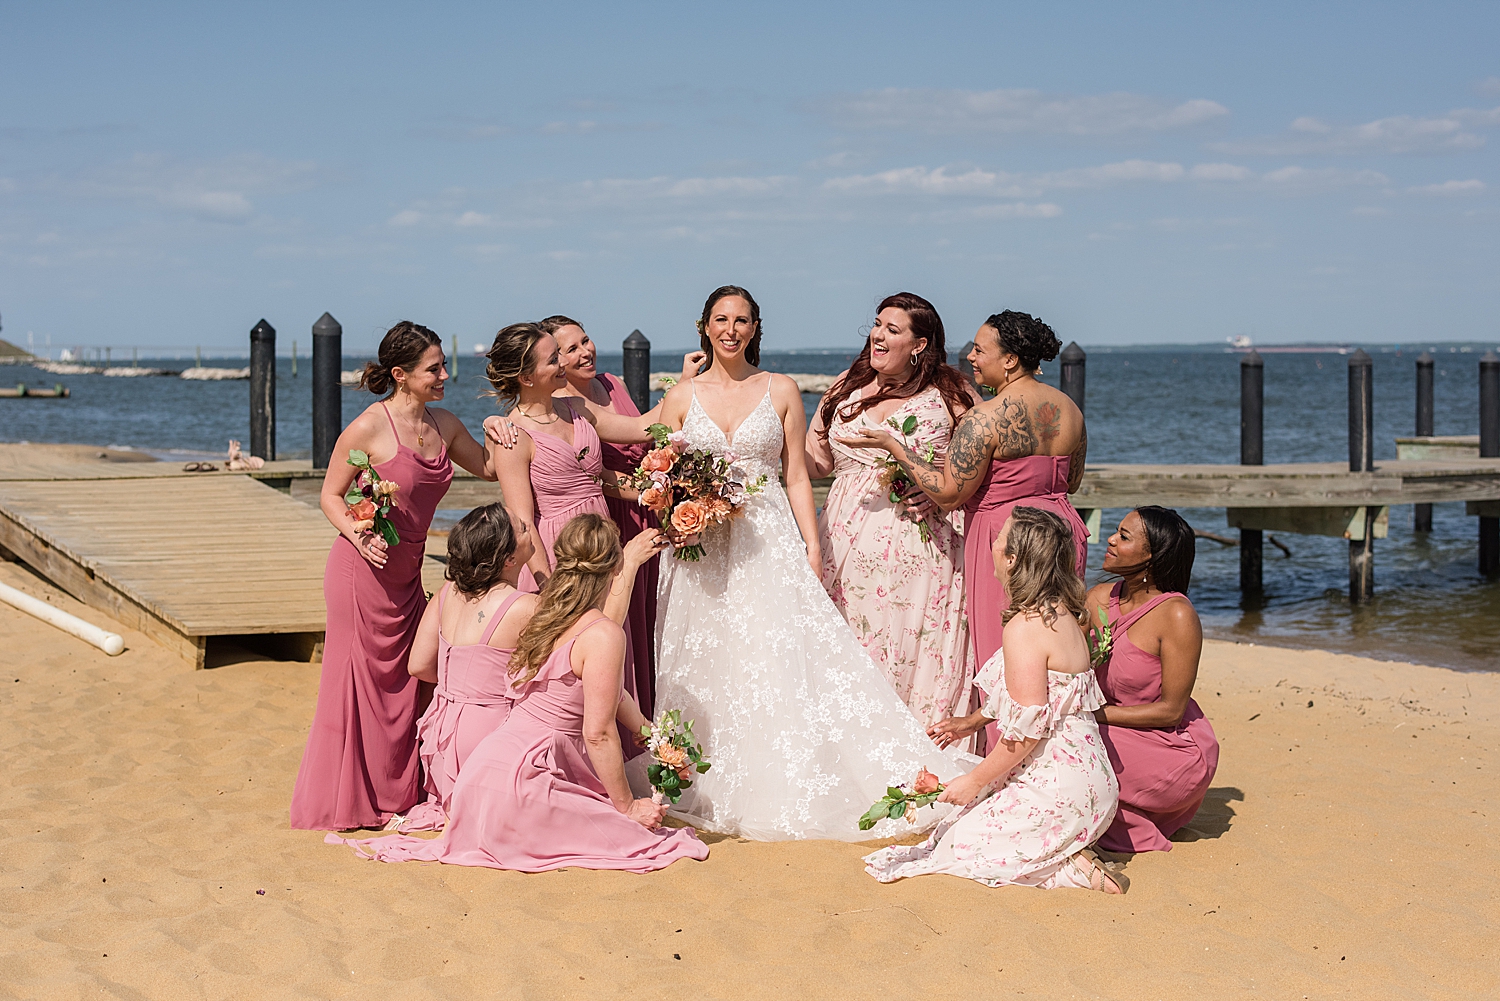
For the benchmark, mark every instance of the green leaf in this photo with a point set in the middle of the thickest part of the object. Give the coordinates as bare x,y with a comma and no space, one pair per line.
909,425
703,767
359,459
354,496
895,793
658,433
387,532
897,810
874,815
645,729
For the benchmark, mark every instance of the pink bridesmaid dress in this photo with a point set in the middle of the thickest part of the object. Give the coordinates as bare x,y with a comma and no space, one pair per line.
529,799
472,700
566,482
640,624
360,766
1039,481
1163,774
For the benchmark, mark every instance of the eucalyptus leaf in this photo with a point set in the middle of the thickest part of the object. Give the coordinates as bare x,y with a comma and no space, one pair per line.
909,425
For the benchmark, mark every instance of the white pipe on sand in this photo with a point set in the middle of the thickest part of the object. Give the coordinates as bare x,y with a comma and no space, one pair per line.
110,643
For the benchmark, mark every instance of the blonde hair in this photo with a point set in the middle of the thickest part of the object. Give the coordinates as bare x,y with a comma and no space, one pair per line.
1044,574
510,358
588,554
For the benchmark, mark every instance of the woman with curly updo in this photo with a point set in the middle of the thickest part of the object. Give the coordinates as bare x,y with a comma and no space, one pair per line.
360,767
1024,446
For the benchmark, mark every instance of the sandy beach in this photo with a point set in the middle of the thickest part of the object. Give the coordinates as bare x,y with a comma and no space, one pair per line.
1346,850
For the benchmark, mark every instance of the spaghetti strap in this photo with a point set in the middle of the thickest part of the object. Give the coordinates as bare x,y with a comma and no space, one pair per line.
489,633
392,421
1126,621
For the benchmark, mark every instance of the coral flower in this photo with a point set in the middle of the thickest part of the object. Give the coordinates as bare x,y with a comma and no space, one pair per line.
654,498
671,756
658,460
364,524
364,510
926,783
689,518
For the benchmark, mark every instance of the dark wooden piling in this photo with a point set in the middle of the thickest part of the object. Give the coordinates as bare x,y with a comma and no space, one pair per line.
964,367
637,350
1421,519
327,401
263,391
1071,379
1489,448
1252,453
1362,460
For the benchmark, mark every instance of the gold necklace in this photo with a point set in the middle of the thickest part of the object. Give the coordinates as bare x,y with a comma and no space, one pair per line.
537,419
419,428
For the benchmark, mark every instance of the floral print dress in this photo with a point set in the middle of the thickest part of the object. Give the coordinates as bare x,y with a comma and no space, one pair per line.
902,595
1026,828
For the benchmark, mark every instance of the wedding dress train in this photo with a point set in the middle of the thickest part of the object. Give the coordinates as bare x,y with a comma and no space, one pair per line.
803,730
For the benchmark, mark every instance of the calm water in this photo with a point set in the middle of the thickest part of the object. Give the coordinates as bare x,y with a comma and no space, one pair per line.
1144,405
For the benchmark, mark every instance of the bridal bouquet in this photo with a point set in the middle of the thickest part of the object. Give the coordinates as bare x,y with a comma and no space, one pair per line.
894,478
899,801
371,499
1101,641
675,755
690,489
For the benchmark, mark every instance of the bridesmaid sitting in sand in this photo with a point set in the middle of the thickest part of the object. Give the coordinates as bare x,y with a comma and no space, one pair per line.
1046,790
603,393
895,575
1161,745
1024,446
547,790
360,767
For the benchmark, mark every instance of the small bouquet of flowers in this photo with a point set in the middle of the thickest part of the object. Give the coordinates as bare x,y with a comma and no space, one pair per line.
675,756
371,499
899,801
1101,641
690,489
894,478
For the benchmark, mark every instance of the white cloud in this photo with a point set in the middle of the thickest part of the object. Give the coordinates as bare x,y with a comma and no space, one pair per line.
472,218
1113,173
1220,172
933,182
1012,111
1469,187
1489,86
1305,178
218,190
1000,184
1396,134
406,217
1017,210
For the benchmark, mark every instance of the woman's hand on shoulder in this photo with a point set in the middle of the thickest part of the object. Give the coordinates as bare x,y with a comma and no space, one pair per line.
500,430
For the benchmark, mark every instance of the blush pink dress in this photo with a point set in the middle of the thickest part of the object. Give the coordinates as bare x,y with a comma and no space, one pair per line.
902,595
1039,481
640,624
360,766
1163,774
529,799
566,481
472,700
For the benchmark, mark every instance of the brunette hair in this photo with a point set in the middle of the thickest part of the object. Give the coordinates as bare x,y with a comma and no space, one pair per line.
1045,573
556,322
931,368
752,350
478,547
1026,337
1172,547
588,553
402,347
510,358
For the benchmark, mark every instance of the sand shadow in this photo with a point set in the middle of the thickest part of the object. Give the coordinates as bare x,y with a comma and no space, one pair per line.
1214,817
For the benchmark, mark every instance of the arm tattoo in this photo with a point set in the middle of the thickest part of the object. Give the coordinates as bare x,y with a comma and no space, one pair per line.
1014,438
1048,421
925,474
970,449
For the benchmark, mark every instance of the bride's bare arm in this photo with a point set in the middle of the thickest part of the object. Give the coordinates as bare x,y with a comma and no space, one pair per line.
788,400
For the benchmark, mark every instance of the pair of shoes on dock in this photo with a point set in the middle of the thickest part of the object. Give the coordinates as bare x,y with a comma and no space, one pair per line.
200,467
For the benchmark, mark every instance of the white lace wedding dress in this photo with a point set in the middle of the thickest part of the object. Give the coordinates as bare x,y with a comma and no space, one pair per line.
803,730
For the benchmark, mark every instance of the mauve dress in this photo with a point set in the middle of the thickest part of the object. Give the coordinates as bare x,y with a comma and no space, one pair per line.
1163,774
472,700
1039,481
360,766
640,624
529,799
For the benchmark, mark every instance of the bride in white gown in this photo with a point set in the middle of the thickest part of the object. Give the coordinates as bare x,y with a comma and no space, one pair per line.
803,730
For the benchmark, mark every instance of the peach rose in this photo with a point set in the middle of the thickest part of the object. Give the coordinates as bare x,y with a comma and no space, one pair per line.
364,510
689,518
655,498
658,460
926,783
364,525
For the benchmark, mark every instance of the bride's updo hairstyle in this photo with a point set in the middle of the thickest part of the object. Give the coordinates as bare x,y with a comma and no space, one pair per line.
402,347
752,350
1043,579
511,358
931,368
588,554
1026,337
478,547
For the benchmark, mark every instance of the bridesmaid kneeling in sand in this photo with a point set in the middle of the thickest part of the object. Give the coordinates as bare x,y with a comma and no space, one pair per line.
1046,790
1160,743
547,790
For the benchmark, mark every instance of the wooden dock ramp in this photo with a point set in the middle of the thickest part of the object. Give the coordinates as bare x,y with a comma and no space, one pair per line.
182,558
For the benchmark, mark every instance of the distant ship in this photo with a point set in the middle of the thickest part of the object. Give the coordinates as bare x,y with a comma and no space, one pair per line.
1240,344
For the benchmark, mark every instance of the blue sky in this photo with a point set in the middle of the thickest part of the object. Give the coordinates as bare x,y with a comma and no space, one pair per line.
1171,173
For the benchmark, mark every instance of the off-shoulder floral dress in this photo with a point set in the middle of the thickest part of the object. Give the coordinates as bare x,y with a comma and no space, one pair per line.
1026,828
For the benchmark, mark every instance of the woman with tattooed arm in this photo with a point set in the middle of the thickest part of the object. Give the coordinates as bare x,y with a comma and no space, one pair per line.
1025,446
